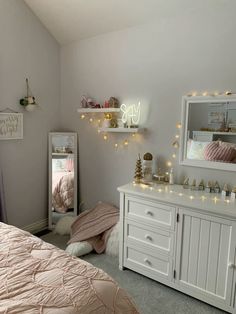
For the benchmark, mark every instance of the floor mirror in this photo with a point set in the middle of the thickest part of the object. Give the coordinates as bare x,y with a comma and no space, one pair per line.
63,178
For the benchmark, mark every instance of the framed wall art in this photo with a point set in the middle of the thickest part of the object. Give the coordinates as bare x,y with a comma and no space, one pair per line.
11,126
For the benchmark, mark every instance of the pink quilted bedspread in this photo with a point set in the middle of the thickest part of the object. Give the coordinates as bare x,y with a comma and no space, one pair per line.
36,277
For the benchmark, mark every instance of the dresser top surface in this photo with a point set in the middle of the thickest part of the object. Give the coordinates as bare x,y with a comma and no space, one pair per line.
178,196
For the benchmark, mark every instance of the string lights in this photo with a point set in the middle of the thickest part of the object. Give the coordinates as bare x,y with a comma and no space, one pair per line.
97,123
196,197
206,93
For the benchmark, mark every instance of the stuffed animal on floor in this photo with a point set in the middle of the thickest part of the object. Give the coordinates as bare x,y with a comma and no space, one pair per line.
63,227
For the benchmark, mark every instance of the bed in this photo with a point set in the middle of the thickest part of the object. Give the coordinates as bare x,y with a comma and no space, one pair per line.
37,277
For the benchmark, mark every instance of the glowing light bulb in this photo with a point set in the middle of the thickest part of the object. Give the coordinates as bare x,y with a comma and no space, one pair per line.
175,144
82,116
203,198
180,194
169,163
176,135
204,94
105,137
191,197
99,121
159,190
215,199
178,126
227,201
194,94
174,156
91,120
151,188
171,191
126,143
99,131
108,116
133,134
116,145
228,92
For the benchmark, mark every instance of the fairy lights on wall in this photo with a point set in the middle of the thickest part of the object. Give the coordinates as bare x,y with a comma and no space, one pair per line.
97,123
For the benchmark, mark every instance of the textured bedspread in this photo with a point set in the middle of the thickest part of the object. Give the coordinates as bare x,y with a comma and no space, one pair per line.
36,277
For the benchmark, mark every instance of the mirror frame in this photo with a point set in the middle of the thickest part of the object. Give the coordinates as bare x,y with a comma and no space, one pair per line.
186,101
75,211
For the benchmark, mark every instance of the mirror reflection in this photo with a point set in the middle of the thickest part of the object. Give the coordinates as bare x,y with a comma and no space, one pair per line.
62,175
211,131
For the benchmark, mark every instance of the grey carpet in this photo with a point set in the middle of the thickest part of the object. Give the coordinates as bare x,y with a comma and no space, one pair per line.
150,297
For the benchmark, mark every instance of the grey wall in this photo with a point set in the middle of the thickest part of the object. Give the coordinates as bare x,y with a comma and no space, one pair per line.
27,50
156,64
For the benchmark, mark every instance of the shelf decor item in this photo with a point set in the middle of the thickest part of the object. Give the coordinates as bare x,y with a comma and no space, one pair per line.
138,171
171,176
147,167
208,187
201,186
113,102
225,191
194,185
233,194
217,187
28,102
186,183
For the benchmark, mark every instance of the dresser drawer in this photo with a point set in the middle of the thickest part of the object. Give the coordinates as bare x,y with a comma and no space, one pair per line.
152,266
153,213
149,237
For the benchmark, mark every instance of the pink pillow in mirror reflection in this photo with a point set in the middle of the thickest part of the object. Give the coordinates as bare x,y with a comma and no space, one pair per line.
220,151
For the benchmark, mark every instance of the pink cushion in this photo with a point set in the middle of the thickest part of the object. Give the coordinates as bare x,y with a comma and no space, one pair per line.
216,151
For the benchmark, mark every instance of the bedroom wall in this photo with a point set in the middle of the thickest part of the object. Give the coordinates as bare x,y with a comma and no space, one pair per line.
155,63
27,50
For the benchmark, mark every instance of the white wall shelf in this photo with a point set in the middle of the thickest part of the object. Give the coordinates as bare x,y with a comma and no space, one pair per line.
120,130
97,110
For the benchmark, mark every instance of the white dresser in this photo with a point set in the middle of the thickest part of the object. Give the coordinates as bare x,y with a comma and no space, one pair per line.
184,239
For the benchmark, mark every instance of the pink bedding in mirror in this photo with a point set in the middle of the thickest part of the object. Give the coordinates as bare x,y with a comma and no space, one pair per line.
37,277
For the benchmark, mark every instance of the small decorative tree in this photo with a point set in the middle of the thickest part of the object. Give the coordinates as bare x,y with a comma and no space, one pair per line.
138,170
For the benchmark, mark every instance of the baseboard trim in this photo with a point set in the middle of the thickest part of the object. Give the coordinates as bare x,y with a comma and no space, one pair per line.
37,226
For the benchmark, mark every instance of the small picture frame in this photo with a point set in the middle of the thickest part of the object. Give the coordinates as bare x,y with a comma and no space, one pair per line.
11,126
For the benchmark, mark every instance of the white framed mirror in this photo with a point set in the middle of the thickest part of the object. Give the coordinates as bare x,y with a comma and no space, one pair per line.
208,137
62,165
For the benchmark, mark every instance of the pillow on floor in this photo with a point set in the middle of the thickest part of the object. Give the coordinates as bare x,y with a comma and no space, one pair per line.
63,226
79,248
112,247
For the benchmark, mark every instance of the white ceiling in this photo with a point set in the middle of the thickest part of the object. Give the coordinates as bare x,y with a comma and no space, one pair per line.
71,20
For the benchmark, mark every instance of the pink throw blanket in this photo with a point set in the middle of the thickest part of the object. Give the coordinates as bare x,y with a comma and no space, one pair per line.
95,225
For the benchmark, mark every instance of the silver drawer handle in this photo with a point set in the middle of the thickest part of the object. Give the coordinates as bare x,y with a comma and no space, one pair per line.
146,260
148,237
148,212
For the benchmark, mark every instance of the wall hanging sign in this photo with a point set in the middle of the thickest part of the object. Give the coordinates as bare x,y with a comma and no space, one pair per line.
11,126
130,114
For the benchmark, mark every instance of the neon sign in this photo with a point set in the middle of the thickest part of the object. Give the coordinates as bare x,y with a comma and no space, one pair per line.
130,114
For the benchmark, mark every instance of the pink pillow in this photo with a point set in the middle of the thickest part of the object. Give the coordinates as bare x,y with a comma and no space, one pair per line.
214,151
